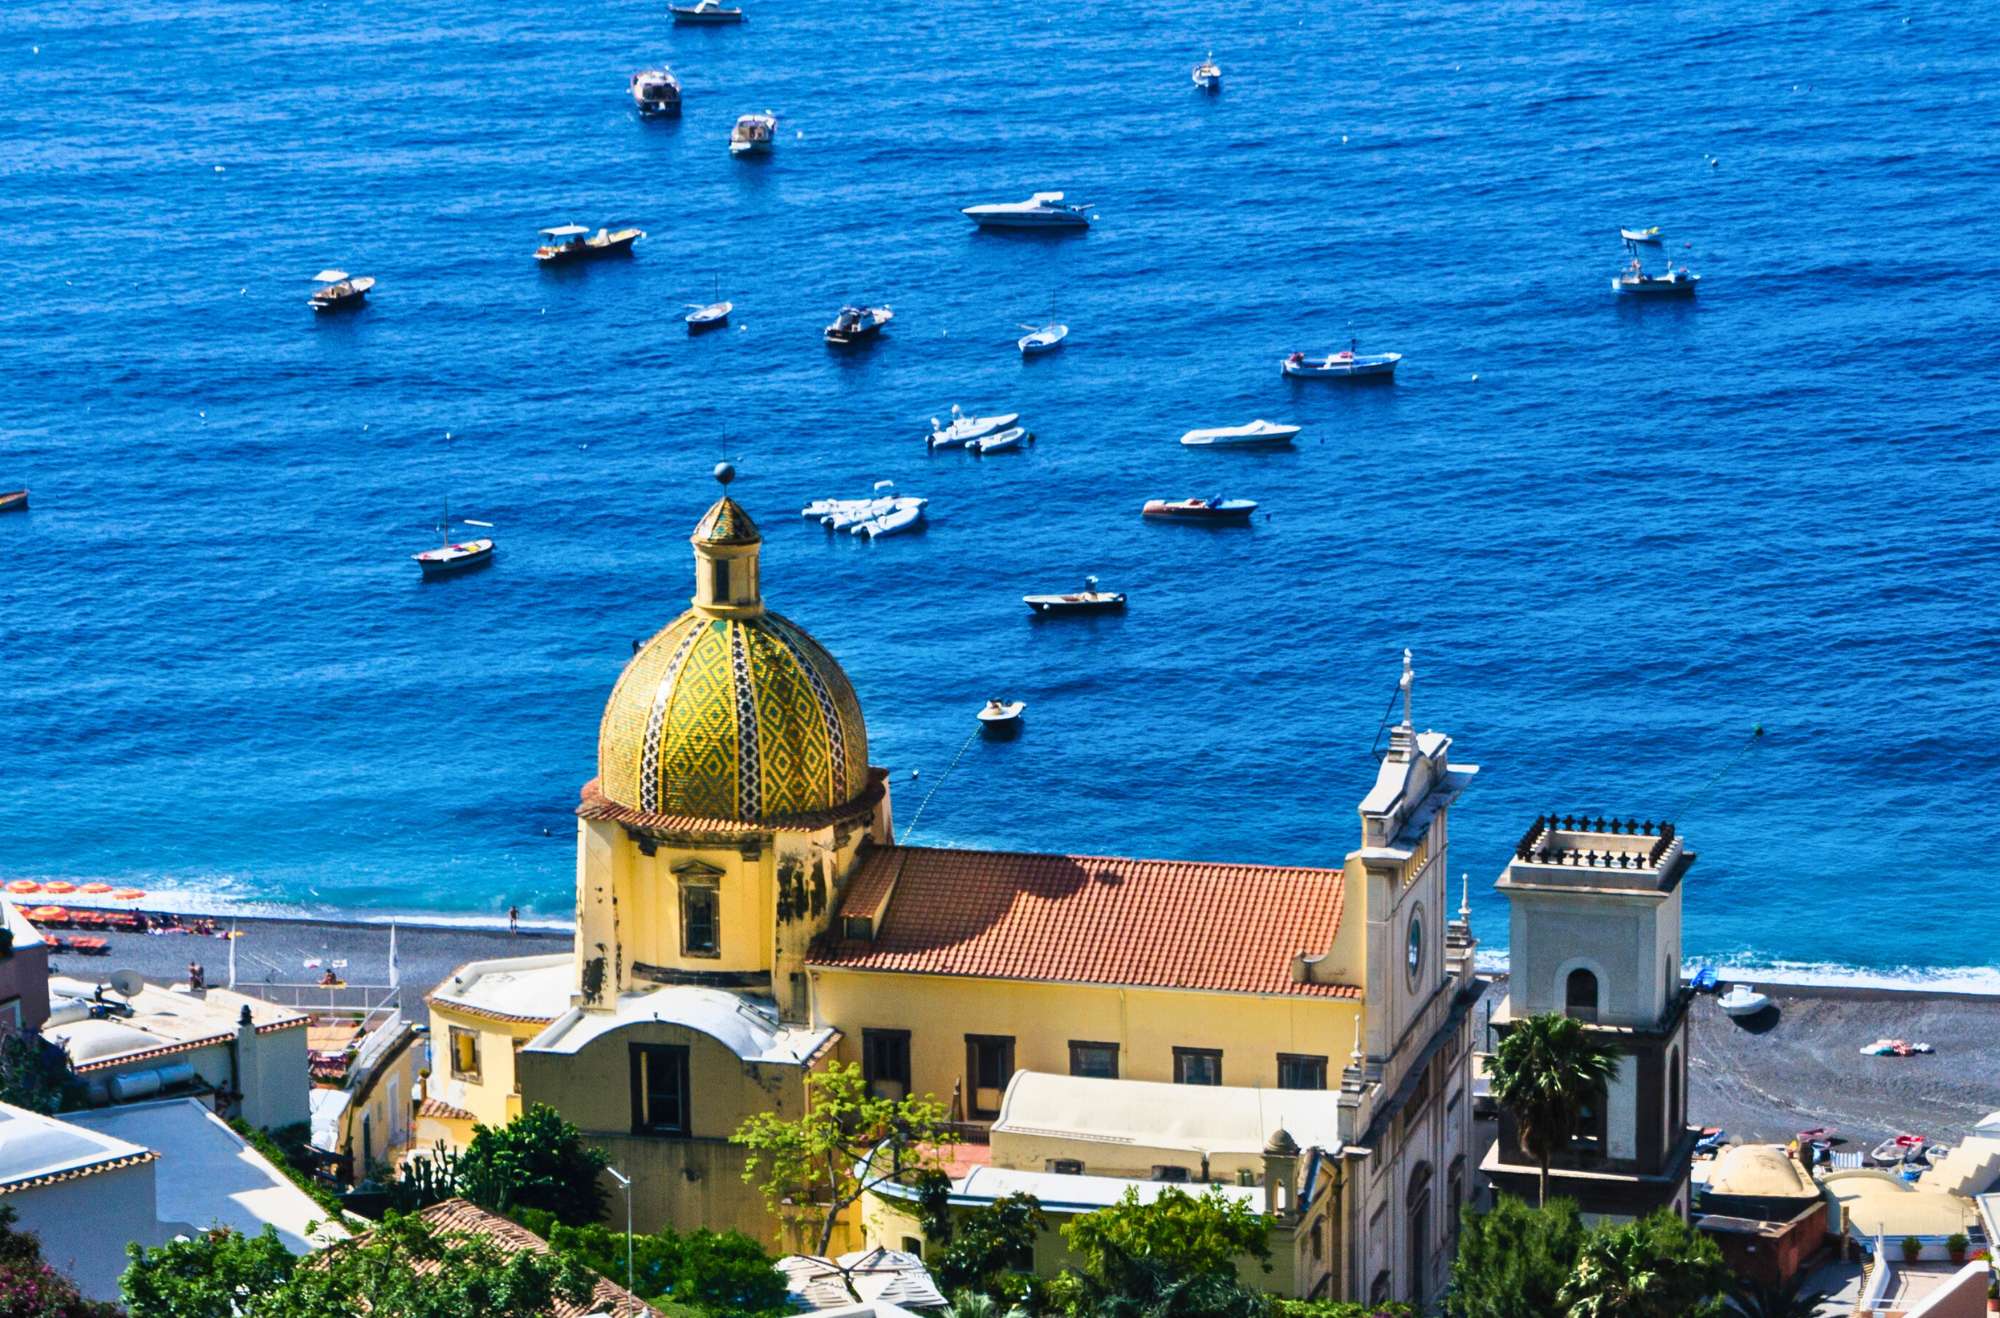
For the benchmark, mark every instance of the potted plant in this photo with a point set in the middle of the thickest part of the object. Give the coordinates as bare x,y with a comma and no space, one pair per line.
1993,1297
1955,1245
1911,1248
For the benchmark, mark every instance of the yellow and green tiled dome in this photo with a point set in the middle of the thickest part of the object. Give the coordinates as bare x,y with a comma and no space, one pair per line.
741,719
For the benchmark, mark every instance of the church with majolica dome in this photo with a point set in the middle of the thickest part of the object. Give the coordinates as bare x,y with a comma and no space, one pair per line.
1300,1037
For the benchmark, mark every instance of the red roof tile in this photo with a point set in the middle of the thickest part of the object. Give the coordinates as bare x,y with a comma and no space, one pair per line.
456,1215
1092,920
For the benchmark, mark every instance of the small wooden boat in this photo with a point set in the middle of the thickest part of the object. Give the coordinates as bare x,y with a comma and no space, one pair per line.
14,501
858,325
1038,341
1742,1000
1217,509
711,13
575,242
656,92
449,558
339,291
706,316
1257,434
1001,718
1208,74
1348,365
1005,441
1088,600
1899,1149
754,135
963,429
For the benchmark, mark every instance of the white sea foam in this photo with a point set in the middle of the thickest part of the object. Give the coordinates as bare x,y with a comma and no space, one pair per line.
1768,972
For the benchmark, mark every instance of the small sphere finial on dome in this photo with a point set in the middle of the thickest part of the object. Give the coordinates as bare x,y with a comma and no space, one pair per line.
724,473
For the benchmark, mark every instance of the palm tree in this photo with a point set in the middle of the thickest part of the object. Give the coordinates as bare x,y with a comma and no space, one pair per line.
1545,1072
1616,1277
1756,1300
976,1304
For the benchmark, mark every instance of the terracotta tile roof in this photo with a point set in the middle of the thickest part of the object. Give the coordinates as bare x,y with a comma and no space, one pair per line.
1091,920
460,1216
443,1111
596,805
53,1178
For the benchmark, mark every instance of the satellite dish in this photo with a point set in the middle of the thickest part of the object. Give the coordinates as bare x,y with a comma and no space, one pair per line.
126,983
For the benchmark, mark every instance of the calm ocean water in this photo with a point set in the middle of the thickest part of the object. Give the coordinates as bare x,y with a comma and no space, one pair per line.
1638,533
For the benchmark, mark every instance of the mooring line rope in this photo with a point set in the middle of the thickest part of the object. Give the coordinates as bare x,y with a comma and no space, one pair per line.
1756,731
924,805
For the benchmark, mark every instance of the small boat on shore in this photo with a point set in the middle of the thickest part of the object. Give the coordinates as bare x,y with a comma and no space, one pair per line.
1038,341
339,291
754,134
1742,1000
1704,980
1348,365
858,325
1044,210
575,242
656,92
1007,440
1208,74
1634,281
1088,600
1217,509
1257,434
705,13
1899,1149
965,429
14,501
1001,718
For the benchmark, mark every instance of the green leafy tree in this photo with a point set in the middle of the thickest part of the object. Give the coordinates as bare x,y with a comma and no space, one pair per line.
972,1304
1513,1261
708,1272
1796,1299
1176,1256
34,1074
1131,1287
29,1287
1657,1267
1340,1309
537,1160
808,1165
990,1250
217,1274
1545,1072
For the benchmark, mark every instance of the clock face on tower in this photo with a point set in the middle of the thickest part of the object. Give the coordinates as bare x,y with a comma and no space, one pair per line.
1416,948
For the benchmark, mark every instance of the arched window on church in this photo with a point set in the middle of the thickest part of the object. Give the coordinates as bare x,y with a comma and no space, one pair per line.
1580,996
1676,1082
1417,1205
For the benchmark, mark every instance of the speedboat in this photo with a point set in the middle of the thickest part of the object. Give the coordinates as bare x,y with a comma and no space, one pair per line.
1217,509
1257,434
896,519
656,91
964,429
1088,600
858,325
1012,438
1208,74
704,12
1742,1000
1634,281
840,514
1046,339
754,134
339,290
451,557
1001,718
14,501
1348,365
1044,210
575,242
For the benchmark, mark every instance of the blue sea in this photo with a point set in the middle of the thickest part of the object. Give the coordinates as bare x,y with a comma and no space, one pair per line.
1617,538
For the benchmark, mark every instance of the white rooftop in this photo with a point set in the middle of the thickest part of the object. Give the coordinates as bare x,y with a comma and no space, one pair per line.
1059,1193
746,1024
33,1146
526,987
160,1018
1204,1119
208,1176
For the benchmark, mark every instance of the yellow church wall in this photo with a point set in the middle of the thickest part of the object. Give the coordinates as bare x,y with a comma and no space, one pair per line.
1146,1024
492,1097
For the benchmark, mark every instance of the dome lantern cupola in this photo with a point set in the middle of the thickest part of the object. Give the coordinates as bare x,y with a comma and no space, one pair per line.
726,545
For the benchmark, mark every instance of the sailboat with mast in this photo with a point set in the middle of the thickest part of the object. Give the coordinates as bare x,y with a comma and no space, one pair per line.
708,317
452,557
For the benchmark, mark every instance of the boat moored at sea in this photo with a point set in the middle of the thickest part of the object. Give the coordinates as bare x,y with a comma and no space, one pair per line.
1010,439
705,13
708,315
14,501
1208,74
575,242
1038,341
903,515
965,429
1347,365
1044,210
858,325
1001,718
339,291
1217,509
1635,281
656,92
1088,600
1255,434
754,134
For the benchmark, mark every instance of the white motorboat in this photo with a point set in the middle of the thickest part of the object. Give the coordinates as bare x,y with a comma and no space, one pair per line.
1088,600
1037,341
1001,718
1645,237
854,325
705,13
1012,438
754,134
1257,434
964,429
1348,365
656,91
1208,74
1044,210
1634,281
1742,1000
889,523
339,290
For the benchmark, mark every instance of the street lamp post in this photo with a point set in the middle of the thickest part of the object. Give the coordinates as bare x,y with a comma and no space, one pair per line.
625,1184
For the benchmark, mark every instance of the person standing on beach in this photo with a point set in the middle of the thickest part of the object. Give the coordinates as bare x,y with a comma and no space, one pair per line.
513,919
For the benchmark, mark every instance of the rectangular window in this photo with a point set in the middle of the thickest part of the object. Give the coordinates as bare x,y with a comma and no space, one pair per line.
464,1054
1197,1066
1065,1166
989,1065
1297,1071
518,1045
10,1014
659,1088
1099,1061
885,1062
721,581
701,919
